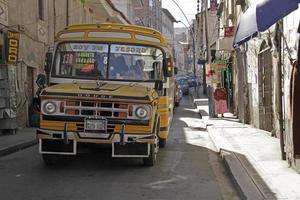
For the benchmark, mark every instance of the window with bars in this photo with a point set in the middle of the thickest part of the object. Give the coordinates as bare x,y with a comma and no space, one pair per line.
41,10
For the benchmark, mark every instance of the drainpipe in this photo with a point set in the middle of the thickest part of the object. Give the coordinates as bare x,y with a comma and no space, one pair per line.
279,93
67,13
208,55
54,17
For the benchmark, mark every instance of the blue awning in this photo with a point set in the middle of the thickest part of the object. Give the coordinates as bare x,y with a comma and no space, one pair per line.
259,17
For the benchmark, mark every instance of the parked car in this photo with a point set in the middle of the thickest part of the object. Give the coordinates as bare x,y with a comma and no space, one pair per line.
183,82
192,81
179,76
178,94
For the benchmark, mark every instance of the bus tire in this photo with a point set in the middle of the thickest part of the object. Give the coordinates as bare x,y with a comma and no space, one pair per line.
151,160
162,142
154,148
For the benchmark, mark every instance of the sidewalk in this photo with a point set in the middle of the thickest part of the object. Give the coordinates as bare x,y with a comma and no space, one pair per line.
252,157
24,138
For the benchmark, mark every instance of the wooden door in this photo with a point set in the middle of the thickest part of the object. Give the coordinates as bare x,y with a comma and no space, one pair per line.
30,92
265,90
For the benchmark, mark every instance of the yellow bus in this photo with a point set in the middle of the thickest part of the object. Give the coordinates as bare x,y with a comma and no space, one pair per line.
106,84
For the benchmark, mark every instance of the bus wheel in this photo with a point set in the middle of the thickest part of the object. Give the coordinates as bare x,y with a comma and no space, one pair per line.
162,142
154,148
51,159
151,160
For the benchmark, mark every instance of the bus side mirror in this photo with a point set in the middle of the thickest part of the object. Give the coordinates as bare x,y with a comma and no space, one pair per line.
41,81
168,67
175,70
48,62
158,85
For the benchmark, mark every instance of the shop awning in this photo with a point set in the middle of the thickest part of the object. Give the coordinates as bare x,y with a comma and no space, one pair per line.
259,17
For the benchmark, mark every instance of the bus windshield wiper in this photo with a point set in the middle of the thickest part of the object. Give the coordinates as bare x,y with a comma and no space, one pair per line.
99,87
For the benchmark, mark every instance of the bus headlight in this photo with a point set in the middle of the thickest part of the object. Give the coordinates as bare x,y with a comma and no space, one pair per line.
49,107
141,112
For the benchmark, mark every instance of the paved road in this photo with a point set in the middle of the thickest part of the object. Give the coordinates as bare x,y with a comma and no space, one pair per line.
188,168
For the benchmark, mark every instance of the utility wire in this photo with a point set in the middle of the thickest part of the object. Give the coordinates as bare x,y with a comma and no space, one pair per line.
182,12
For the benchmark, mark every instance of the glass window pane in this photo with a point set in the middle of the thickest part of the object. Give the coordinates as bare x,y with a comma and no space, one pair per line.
131,62
81,60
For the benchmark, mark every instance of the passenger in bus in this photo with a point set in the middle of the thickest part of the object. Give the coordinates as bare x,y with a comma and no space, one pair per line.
101,63
119,67
140,70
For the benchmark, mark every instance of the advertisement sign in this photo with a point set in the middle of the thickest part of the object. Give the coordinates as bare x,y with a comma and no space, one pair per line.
214,70
88,47
12,47
70,57
210,74
85,58
219,65
128,49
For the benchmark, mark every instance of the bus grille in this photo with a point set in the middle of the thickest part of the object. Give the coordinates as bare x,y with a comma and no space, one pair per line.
96,109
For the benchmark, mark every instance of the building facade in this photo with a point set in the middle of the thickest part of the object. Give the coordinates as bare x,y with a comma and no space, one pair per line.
261,73
27,32
168,28
148,13
125,7
181,48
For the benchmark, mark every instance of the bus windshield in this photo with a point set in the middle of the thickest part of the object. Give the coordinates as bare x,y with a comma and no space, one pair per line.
108,62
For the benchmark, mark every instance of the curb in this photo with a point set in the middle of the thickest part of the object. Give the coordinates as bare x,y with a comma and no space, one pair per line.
244,184
240,175
17,147
248,184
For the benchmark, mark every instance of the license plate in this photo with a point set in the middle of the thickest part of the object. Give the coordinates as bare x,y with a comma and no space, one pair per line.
95,124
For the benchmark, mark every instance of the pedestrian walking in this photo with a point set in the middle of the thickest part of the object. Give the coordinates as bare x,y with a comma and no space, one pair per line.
220,97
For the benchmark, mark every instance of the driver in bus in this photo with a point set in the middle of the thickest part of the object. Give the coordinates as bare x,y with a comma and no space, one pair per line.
137,72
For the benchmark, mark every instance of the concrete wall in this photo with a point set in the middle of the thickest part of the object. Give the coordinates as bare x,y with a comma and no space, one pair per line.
252,48
168,29
290,31
252,68
37,35
126,7
31,52
149,15
180,48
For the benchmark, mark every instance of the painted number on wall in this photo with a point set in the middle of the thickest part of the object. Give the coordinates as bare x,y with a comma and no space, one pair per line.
13,47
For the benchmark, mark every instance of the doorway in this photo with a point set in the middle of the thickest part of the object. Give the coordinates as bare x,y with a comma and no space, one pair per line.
265,88
30,93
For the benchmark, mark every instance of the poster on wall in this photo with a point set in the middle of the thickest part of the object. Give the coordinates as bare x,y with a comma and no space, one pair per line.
214,71
210,74
219,65
13,39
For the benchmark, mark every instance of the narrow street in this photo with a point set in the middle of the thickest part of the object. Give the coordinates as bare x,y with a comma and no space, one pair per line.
188,168
78,73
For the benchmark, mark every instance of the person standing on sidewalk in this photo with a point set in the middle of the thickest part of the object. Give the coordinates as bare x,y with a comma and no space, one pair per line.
220,97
